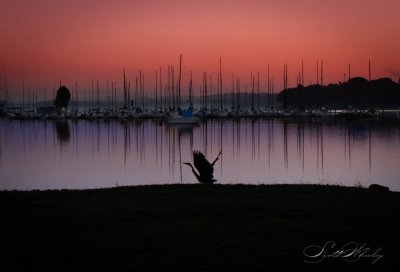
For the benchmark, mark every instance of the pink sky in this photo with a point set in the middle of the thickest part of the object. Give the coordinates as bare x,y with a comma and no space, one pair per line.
43,41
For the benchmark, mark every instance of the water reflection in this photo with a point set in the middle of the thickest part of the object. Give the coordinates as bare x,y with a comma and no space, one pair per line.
63,131
105,153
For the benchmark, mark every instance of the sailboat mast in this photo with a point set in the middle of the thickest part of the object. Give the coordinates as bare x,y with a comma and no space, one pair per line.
369,70
169,87
191,91
220,85
285,86
179,83
23,95
92,103
124,91
143,94
268,89
76,94
322,72
140,89
258,90
233,91
349,72
252,91
161,94
156,89
205,90
136,92
98,96
173,87
108,96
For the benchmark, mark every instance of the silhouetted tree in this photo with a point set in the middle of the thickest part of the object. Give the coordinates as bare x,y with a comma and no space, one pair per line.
62,98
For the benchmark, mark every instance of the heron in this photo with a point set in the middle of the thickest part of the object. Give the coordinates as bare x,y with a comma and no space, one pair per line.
205,168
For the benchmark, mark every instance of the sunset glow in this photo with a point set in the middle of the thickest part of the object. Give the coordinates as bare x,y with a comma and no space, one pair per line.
48,41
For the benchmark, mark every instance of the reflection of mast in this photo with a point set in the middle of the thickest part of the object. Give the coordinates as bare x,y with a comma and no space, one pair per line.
349,134
77,137
269,141
172,152
238,136
253,142
322,149
233,139
45,136
98,95
125,124
161,147
176,133
205,136
125,92
221,144
1,140
345,144
220,84
298,140
142,145
300,143
317,149
156,140
213,130
285,145
303,147
258,138
370,147
258,90
180,155
108,140
191,141
137,136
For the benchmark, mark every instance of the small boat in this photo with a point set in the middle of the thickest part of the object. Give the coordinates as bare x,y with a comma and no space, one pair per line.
182,117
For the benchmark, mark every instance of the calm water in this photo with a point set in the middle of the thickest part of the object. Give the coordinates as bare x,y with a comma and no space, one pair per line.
93,154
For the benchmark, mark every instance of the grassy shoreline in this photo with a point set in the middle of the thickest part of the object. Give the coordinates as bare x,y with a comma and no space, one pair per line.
194,227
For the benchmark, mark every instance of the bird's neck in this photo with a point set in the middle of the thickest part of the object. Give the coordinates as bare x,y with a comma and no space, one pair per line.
194,172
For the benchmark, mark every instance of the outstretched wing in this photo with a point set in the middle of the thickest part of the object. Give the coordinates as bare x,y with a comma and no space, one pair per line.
204,167
216,159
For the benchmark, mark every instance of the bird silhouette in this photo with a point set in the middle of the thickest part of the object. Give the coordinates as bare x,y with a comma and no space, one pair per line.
205,168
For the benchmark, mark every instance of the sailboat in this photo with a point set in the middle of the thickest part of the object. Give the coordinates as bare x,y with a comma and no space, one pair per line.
183,116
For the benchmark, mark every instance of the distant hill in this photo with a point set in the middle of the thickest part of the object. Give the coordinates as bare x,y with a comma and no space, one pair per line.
357,92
